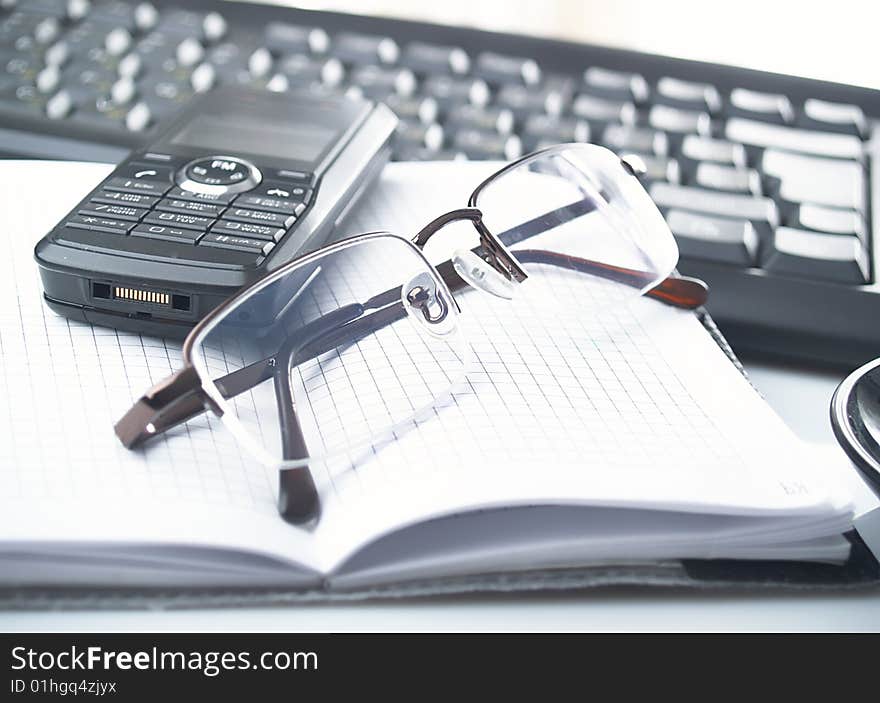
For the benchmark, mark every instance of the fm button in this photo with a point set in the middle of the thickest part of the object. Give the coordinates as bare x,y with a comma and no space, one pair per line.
218,175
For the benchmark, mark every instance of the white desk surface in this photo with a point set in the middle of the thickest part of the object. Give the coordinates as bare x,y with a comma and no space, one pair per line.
800,395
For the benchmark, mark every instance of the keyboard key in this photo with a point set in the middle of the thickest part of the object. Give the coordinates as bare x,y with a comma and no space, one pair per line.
768,107
616,85
547,129
166,233
477,144
429,136
120,212
726,240
203,78
500,68
595,109
701,97
671,119
59,105
832,220
137,185
413,108
262,217
735,180
761,212
832,257
637,140
176,219
660,168
189,52
99,224
810,179
123,91
433,58
189,207
146,16
760,134
248,229
356,48
214,27
377,83
48,79
448,91
47,30
117,41
486,118
834,117
284,38
524,101
697,149
301,70
260,62
236,243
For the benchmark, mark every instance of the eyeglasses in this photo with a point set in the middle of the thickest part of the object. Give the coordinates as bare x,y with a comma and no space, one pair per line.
355,341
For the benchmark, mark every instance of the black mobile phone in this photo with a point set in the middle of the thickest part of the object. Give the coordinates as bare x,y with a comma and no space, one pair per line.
240,183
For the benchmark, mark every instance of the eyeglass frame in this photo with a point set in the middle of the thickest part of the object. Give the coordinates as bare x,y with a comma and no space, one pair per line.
183,395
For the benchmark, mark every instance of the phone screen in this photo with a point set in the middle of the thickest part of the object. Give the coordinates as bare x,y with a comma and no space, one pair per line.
239,133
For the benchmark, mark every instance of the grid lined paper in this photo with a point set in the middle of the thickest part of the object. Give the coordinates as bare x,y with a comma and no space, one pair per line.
594,406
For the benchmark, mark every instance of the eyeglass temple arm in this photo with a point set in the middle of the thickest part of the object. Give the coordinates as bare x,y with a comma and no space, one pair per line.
680,291
180,397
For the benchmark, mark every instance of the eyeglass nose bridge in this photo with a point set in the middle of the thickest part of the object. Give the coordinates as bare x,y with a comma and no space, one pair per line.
491,249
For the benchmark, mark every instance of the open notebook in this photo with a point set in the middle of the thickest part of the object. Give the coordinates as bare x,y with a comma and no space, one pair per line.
627,439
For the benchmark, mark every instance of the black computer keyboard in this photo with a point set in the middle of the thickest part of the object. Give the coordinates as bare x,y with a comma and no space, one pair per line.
768,182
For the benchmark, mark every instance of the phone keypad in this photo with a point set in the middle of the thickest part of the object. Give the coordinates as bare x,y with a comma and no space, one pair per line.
141,201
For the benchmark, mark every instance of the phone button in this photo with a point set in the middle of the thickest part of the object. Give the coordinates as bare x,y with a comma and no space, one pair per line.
99,224
259,202
170,234
136,185
176,219
219,174
285,192
189,207
145,172
219,199
249,229
260,217
132,199
121,212
236,242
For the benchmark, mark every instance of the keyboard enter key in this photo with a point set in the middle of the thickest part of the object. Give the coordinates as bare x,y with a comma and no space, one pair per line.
813,179
833,257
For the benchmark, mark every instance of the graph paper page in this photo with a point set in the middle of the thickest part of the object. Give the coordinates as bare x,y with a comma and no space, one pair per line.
637,408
